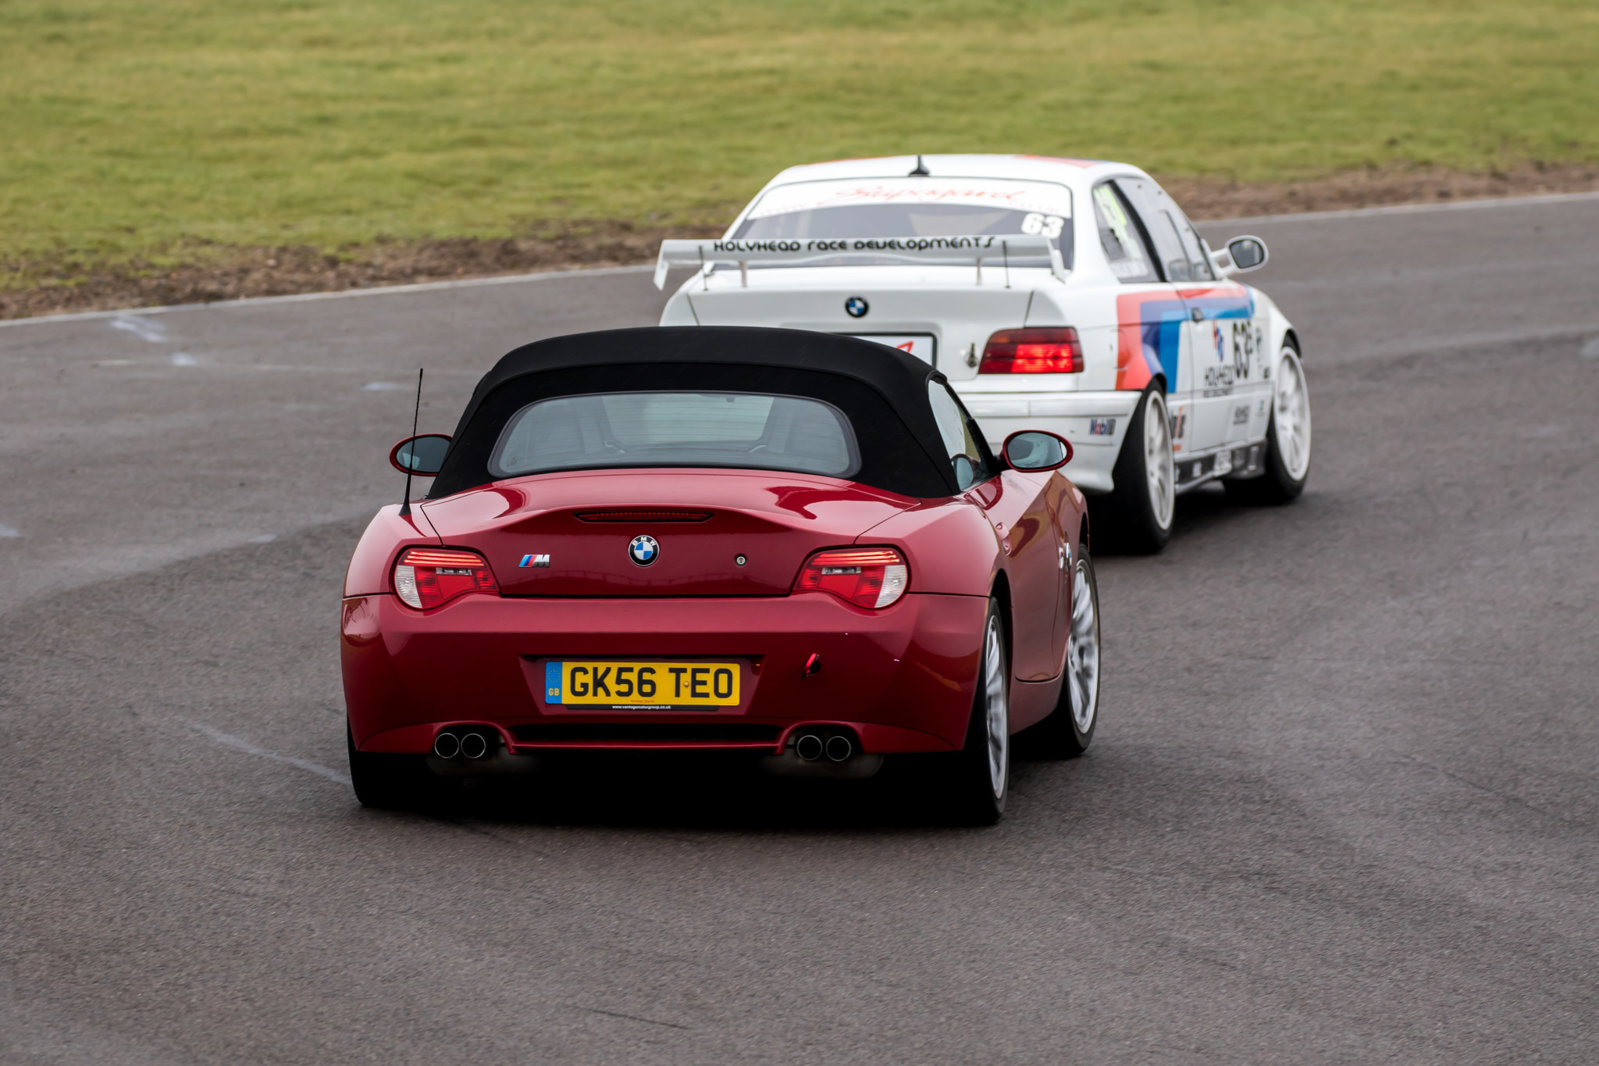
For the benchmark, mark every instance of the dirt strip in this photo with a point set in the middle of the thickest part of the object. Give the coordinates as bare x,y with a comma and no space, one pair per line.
231,272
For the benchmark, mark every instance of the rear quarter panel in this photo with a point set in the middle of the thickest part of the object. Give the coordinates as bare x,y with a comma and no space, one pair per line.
372,564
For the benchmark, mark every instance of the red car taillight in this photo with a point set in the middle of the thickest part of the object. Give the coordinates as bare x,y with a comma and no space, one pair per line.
427,577
1051,350
866,577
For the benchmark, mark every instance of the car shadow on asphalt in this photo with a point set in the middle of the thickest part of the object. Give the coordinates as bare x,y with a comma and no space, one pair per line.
1199,511
714,794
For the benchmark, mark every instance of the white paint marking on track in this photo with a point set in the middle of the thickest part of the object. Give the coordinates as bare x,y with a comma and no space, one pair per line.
184,359
9,531
143,328
263,538
381,386
643,268
239,744
1591,349
1414,209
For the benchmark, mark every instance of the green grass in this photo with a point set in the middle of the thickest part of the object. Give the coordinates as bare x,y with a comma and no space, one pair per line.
150,127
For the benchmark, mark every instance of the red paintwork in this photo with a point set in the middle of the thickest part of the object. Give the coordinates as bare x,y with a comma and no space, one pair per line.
901,677
774,520
372,566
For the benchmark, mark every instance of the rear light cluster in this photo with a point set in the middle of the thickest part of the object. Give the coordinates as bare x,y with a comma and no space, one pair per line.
427,577
866,577
1052,350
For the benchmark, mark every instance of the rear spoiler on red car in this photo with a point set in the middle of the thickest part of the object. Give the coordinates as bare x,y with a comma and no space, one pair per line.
798,251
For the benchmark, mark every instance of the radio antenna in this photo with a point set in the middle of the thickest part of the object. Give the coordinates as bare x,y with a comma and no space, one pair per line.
921,170
416,415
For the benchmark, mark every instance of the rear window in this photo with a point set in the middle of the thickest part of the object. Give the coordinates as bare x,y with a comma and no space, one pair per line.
624,429
914,207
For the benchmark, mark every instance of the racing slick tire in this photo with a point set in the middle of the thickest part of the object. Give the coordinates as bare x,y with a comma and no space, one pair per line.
1287,439
1141,505
1069,729
982,767
387,782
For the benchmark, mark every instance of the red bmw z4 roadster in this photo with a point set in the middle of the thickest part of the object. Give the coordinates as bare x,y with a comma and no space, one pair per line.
792,544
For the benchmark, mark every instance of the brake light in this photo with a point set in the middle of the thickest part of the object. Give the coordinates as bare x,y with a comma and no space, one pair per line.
866,577
643,516
1051,350
427,577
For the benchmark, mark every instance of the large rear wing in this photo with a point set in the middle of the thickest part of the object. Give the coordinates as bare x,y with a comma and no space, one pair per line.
797,251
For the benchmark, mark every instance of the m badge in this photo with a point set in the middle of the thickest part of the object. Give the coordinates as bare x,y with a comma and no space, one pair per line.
535,560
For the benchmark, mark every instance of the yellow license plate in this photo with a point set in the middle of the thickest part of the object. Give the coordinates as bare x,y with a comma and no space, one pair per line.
650,685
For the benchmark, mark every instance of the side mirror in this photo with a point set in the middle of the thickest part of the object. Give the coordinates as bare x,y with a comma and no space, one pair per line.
422,454
1036,450
1246,254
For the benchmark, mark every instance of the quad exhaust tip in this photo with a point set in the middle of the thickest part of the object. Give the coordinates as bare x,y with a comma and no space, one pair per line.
467,743
834,747
474,745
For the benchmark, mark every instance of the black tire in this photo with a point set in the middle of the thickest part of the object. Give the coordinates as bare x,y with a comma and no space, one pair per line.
1278,484
387,782
979,791
1131,513
1061,736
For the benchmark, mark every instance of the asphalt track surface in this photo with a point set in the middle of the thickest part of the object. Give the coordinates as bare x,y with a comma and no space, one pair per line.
1343,805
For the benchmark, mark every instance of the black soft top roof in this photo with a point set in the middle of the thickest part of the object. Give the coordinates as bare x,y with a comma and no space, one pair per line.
883,391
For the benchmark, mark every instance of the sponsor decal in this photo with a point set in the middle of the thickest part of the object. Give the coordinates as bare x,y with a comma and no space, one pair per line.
977,243
643,550
1240,414
1218,342
1218,381
1101,427
856,307
535,560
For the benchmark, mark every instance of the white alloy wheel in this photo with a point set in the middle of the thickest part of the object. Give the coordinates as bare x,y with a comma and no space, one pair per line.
996,709
1082,649
1291,418
1159,469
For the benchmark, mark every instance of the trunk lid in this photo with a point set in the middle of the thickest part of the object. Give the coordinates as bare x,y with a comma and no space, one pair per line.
583,523
944,312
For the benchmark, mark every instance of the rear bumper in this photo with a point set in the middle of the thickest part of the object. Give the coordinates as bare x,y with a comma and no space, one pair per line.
901,678
1095,423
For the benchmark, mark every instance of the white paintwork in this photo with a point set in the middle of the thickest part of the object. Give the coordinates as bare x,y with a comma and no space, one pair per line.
1219,388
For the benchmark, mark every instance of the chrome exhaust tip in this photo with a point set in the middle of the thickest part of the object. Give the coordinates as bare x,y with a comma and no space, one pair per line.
839,748
808,746
446,745
474,745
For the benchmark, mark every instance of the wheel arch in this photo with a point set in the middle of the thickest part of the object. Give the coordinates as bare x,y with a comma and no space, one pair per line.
1001,592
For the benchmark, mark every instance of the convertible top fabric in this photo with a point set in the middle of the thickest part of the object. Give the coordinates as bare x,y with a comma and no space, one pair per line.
882,391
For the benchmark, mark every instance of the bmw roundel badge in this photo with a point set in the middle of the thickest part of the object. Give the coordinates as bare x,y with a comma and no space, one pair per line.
856,307
643,550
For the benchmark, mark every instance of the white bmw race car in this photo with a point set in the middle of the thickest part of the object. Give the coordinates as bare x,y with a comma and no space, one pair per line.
1063,294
